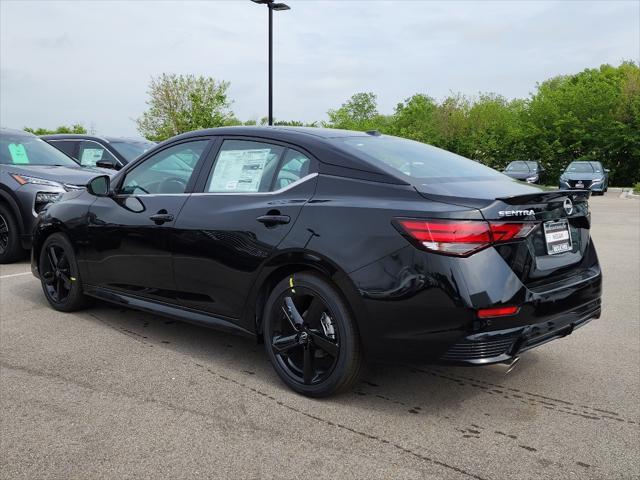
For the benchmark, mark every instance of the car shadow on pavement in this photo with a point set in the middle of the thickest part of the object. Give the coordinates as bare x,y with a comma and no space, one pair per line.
389,388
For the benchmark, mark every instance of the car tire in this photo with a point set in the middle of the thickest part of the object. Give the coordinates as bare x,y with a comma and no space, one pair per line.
327,318
10,248
60,276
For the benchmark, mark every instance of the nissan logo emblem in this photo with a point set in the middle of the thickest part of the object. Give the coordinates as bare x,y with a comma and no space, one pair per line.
568,206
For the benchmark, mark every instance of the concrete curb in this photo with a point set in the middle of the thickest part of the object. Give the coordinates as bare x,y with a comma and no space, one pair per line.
628,193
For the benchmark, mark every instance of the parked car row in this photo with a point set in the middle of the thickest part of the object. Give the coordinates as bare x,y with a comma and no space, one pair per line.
579,175
327,245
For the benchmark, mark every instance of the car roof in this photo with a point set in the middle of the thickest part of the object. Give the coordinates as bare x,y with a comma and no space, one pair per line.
84,136
275,132
316,141
15,132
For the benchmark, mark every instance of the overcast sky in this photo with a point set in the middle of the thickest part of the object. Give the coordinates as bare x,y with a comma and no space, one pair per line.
65,62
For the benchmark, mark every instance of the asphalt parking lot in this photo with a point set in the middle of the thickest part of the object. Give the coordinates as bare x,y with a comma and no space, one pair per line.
109,393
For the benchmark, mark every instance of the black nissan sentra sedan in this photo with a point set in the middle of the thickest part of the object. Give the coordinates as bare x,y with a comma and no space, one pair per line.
331,247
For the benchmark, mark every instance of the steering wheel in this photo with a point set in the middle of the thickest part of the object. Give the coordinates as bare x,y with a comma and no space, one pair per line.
138,187
172,185
286,178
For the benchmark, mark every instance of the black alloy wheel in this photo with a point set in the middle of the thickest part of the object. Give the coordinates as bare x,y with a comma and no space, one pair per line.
59,274
4,235
310,337
10,247
56,273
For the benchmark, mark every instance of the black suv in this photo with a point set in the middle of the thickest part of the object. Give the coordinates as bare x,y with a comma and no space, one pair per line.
33,174
104,152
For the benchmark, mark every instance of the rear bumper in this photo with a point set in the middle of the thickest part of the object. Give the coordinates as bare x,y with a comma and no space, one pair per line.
503,345
423,307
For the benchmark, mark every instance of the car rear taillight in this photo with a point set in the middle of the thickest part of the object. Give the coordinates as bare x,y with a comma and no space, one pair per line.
497,312
460,237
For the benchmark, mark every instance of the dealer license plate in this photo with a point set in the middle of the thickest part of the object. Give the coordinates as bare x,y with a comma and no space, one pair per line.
558,237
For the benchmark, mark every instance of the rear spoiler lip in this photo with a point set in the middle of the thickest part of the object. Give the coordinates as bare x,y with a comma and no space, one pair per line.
543,197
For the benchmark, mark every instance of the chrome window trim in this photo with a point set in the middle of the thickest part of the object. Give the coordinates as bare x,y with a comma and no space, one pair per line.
275,192
284,189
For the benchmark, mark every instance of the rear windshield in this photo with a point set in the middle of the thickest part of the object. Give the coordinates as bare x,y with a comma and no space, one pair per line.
131,150
16,149
418,161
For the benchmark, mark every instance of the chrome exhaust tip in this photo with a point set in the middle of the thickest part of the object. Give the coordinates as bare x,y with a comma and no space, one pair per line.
511,364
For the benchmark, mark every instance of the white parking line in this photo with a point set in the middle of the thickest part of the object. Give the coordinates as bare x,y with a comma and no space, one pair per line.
15,275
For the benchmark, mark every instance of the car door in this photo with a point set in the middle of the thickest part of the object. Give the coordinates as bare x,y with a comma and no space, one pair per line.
246,203
129,232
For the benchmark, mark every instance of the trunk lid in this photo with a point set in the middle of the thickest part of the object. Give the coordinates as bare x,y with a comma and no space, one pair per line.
510,201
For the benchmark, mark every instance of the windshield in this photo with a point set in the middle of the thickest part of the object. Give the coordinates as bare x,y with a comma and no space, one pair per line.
416,160
520,166
580,167
131,149
16,149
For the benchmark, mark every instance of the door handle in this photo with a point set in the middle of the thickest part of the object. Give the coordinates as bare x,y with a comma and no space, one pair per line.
273,220
161,217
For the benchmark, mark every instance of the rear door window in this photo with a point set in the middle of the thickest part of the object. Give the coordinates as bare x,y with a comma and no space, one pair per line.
295,166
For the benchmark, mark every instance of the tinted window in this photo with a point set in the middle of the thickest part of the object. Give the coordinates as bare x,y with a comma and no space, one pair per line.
66,146
167,171
16,149
131,149
415,160
244,166
90,152
294,166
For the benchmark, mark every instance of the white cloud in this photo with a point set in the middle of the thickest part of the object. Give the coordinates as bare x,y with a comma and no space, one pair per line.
63,62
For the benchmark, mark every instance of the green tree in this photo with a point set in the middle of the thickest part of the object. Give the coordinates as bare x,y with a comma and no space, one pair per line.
592,115
182,103
493,130
360,112
417,118
75,128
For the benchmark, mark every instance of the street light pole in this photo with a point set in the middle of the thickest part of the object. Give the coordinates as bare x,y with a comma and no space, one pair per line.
278,7
270,64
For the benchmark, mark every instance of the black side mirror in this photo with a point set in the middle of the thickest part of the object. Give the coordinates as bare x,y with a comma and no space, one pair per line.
107,163
99,186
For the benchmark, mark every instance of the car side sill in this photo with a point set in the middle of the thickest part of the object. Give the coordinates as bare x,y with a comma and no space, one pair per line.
167,310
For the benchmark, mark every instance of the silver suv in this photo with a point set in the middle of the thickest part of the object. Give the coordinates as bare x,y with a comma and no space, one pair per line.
33,174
